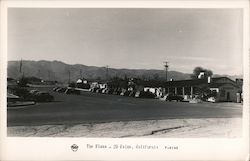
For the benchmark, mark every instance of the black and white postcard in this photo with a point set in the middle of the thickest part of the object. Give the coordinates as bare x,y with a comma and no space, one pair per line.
124,80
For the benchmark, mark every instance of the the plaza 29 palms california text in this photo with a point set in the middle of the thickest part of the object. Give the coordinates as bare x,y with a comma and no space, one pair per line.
131,147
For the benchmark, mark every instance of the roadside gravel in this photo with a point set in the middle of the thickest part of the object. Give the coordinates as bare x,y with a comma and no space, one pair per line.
171,128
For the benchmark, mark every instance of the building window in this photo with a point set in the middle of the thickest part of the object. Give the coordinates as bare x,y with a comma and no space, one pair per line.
179,91
188,90
214,93
172,90
222,93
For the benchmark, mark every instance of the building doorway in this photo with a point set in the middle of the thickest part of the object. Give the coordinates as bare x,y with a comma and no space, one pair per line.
228,96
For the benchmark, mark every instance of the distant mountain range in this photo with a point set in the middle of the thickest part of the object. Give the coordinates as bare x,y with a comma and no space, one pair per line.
62,72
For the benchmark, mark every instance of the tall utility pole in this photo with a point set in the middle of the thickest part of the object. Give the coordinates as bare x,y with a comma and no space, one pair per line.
80,73
49,75
166,68
39,73
69,76
21,68
107,72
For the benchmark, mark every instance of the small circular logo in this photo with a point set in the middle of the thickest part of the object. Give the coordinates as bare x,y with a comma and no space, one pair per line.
74,147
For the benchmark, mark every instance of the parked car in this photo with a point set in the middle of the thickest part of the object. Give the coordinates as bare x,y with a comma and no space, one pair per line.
118,92
98,90
110,91
23,93
43,97
163,98
143,94
211,99
104,90
137,94
33,91
107,91
61,89
126,93
72,91
132,93
174,98
55,88
13,100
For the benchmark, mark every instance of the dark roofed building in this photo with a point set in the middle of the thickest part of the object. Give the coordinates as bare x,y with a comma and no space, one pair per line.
224,88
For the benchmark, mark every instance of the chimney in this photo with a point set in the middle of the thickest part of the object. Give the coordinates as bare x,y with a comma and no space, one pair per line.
208,79
201,75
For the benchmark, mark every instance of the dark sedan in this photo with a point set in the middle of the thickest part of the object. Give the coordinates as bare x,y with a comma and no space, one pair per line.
174,98
43,97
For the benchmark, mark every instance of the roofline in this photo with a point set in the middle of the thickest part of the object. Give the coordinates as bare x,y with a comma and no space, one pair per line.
201,79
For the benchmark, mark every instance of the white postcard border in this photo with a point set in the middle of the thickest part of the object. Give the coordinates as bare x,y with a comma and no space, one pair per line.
47,148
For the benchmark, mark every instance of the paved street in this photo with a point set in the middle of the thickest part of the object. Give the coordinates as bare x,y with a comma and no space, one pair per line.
94,107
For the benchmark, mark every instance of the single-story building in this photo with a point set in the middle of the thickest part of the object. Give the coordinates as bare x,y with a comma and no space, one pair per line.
223,88
82,83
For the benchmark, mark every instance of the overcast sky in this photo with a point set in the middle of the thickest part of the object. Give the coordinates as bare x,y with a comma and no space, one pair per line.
129,38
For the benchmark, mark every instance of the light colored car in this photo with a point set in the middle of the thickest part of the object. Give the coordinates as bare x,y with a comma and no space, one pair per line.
104,90
211,99
163,98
